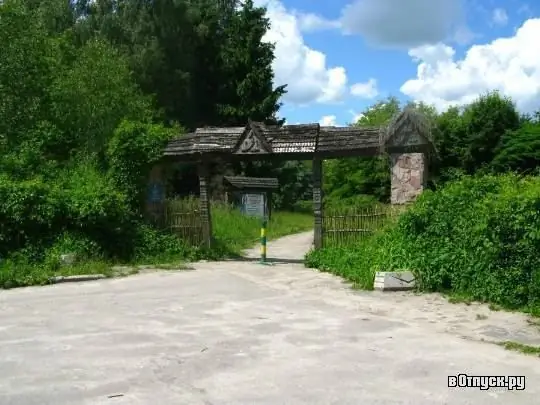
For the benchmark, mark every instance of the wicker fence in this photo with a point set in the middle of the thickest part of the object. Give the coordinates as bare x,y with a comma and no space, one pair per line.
349,226
183,218
341,227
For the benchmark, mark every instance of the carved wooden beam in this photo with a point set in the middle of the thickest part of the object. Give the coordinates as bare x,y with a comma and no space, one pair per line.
317,203
206,215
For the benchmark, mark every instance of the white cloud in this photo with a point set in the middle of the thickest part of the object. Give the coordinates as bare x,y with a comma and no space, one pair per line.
389,23
310,22
405,23
328,121
365,90
510,65
463,35
303,69
499,16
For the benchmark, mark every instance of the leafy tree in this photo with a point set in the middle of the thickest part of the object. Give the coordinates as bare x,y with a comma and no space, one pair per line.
486,120
247,61
203,59
519,149
91,96
27,63
380,113
131,152
351,177
450,137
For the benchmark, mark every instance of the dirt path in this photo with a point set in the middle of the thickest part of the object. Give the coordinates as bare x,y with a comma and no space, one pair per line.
238,333
433,311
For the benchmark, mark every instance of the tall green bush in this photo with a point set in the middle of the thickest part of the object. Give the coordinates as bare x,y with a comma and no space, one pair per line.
132,150
30,211
478,237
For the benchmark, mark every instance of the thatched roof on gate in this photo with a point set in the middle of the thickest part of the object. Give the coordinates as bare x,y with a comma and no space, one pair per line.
409,121
278,140
303,139
241,183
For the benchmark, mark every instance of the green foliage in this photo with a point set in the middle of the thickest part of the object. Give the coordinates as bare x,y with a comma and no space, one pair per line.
237,231
477,237
250,96
26,67
347,178
91,90
94,205
486,121
450,137
303,206
29,210
157,247
79,131
483,135
204,59
132,150
91,96
294,180
75,243
519,150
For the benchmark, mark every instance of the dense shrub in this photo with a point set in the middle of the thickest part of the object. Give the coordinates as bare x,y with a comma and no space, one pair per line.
478,237
132,149
152,246
519,150
30,211
357,202
95,206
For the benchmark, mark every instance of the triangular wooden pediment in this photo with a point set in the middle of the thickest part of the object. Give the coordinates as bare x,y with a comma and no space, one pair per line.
408,129
252,141
407,138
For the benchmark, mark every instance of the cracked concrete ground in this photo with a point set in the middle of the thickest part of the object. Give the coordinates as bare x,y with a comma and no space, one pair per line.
238,333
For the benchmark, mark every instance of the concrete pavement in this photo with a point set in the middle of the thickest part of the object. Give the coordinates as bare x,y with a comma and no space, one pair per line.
238,333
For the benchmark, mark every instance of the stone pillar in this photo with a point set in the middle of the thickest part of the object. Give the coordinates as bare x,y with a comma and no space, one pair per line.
204,198
317,203
409,177
155,198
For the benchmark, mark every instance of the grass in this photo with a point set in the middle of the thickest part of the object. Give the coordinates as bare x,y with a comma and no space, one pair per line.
233,232
20,274
521,348
237,232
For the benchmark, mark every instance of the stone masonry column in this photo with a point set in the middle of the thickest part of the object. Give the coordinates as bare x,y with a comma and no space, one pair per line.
409,177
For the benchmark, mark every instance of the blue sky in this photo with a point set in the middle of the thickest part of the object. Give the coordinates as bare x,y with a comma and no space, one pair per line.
339,57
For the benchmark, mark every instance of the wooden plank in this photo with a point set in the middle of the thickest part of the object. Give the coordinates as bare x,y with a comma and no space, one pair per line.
205,209
317,204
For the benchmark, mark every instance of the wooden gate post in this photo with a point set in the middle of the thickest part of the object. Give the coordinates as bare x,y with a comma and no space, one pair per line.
317,203
204,198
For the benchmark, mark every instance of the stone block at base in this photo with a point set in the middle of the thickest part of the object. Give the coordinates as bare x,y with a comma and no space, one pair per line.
394,281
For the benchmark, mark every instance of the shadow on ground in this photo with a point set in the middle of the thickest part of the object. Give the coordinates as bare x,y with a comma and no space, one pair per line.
270,260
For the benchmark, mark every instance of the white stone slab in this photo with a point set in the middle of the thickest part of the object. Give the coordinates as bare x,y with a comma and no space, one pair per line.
394,281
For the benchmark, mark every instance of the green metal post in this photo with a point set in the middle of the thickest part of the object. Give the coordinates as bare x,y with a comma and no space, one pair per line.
263,241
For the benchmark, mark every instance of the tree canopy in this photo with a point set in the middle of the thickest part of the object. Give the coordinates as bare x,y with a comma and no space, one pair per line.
90,91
